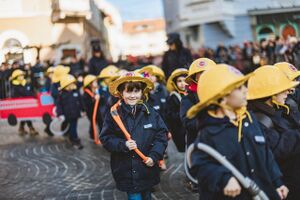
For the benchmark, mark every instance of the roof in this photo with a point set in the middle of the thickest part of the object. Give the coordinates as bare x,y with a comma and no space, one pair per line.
150,25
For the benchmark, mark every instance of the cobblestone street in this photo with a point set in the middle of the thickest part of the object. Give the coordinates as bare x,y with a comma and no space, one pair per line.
49,168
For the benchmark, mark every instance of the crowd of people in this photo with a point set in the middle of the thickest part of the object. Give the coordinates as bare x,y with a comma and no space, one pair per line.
135,107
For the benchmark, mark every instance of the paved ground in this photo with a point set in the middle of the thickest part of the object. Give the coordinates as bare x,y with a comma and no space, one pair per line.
48,168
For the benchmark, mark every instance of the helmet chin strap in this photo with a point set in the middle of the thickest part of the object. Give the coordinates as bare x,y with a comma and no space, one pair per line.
280,105
240,113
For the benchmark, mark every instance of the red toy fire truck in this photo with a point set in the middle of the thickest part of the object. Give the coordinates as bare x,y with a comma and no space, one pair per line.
27,108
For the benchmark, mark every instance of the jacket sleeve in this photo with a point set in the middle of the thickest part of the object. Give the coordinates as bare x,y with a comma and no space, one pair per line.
210,173
160,142
108,137
172,105
283,145
88,104
59,109
191,125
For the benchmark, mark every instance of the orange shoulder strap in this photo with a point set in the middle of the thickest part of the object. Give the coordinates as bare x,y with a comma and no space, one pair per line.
89,92
116,117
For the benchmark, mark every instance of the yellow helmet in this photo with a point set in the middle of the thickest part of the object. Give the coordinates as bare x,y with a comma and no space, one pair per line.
58,72
129,77
171,85
66,80
199,65
88,79
154,71
214,84
16,73
289,70
108,72
268,81
50,70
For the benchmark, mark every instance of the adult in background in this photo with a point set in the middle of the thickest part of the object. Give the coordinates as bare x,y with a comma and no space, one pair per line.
177,56
97,62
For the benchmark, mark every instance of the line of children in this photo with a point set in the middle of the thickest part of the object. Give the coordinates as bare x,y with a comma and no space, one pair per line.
228,127
268,95
148,133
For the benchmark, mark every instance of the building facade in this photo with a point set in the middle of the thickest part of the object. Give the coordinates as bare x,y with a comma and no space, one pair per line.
50,29
145,37
211,22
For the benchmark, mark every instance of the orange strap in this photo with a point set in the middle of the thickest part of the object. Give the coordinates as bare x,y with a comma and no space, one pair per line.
94,118
89,92
116,117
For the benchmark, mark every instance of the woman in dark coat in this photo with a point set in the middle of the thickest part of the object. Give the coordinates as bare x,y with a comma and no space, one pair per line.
133,174
278,121
176,86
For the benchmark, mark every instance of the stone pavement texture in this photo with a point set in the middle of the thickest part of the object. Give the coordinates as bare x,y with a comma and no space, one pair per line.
49,168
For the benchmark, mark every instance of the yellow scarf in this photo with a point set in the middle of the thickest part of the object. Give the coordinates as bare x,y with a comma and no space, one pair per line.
241,114
17,82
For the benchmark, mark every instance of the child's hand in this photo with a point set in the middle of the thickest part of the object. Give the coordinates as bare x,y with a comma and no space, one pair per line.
282,191
97,96
131,144
233,188
149,162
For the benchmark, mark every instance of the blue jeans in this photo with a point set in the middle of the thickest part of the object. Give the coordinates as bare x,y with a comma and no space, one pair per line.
139,196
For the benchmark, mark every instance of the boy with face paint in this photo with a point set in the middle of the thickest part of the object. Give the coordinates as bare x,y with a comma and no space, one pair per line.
20,88
176,85
191,125
69,107
230,129
133,174
90,97
268,96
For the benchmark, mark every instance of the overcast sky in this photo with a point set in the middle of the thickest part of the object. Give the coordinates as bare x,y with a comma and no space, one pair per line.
138,9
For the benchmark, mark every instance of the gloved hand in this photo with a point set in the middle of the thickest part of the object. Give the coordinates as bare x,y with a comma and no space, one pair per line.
61,118
131,144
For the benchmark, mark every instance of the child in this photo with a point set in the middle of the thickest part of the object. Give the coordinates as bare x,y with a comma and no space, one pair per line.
176,85
268,95
196,69
133,174
69,107
191,125
92,102
20,88
227,127
158,96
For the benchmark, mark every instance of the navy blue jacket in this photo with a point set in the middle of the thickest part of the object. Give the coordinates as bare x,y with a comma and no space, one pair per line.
173,120
149,132
21,91
96,65
283,136
190,125
69,104
157,99
251,157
